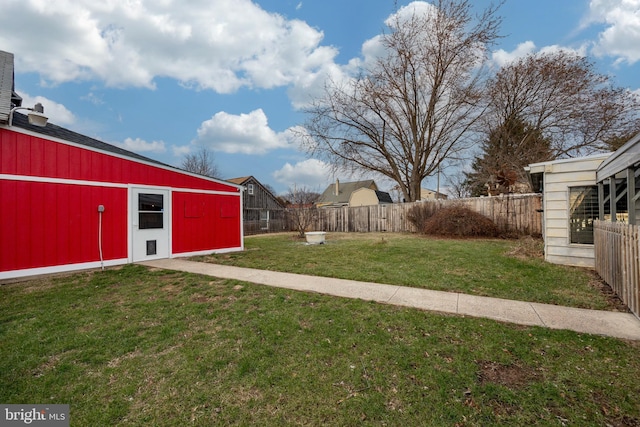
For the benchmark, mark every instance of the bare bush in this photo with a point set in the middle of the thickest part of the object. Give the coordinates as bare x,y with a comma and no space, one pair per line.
420,213
459,221
301,208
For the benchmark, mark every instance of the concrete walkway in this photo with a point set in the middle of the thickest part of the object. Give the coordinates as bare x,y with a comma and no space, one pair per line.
610,323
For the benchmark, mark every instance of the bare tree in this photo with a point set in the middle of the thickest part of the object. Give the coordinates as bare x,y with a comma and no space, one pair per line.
201,162
414,107
301,208
561,95
457,186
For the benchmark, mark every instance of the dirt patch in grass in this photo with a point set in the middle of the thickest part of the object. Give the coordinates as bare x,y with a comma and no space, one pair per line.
510,376
527,247
199,298
614,301
612,413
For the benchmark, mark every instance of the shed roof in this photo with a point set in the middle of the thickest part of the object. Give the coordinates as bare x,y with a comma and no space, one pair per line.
21,121
8,97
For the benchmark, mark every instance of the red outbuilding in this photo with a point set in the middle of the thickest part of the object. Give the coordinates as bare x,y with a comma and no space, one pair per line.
70,202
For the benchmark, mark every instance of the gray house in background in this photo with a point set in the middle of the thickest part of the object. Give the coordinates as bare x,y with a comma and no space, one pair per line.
262,211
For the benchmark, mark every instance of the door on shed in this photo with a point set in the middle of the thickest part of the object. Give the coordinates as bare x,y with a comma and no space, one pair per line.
150,236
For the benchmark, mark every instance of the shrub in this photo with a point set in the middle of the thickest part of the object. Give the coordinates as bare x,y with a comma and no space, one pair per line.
459,221
420,213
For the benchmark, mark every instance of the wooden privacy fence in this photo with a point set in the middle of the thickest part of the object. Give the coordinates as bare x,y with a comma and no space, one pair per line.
518,213
616,250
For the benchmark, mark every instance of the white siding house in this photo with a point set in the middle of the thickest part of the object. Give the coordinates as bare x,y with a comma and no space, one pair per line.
570,205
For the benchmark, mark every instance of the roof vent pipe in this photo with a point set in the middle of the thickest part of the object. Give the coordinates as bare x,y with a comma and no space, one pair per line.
337,187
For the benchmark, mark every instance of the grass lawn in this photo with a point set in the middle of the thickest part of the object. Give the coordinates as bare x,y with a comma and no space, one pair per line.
134,346
496,268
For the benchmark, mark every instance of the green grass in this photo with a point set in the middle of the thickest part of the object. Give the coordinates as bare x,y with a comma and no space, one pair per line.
141,347
478,267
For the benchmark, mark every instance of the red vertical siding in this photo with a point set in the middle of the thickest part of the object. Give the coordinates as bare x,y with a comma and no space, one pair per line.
32,156
45,224
9,197
200,223
53,224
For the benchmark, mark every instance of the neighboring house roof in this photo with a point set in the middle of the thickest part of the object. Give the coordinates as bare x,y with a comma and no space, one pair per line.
244,180
427,193
330,198
240,181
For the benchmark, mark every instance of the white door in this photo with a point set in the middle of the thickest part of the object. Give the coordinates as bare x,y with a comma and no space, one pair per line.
150,236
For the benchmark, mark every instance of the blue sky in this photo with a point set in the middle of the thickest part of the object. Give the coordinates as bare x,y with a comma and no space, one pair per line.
163,77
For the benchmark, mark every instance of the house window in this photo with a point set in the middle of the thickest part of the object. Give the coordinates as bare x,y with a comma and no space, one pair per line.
264,220
250,189
583,210
150,211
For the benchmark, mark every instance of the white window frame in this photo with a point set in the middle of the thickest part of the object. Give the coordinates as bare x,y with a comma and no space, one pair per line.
571,211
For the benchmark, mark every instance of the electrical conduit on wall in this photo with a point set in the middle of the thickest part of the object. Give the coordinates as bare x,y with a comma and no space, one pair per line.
100,211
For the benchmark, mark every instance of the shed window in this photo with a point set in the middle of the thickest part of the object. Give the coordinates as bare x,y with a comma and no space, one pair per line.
150,211
250,189
584,209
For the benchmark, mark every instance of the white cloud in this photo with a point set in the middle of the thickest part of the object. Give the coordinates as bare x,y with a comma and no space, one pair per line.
222,45
311,86
141,146
180,150
406,13
57,113
311,173
93,98
621,37
501,57
245,133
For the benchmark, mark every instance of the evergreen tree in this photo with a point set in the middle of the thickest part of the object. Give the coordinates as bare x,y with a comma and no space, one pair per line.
505,153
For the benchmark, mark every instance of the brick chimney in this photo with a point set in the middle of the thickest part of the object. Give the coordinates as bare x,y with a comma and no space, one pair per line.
337,187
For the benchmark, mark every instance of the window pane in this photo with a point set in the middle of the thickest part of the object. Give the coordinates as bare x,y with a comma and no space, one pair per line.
584,210
150,220
150,202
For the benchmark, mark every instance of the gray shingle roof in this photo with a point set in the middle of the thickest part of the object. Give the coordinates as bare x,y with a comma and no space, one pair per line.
384,197
21,120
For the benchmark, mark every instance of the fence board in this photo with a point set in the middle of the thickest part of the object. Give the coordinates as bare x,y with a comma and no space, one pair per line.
617,246
514,213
